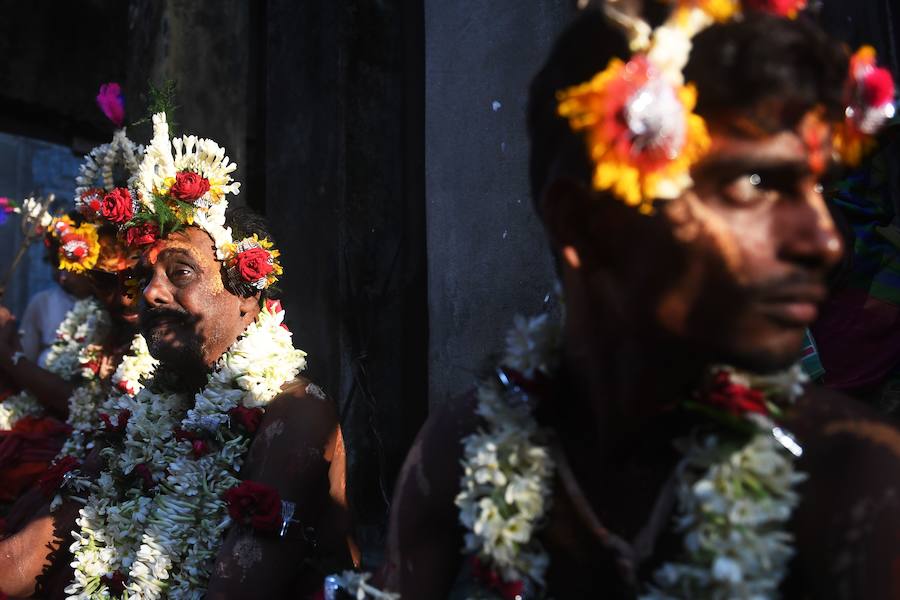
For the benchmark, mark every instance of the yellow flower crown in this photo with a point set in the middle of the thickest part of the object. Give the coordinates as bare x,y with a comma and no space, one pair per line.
637,116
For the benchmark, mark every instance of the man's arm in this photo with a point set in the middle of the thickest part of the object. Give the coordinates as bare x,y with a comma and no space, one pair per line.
425,537
51,390
30,551
848,522
292,452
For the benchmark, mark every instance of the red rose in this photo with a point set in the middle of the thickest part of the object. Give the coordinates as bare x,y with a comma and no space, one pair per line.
121,422
248,418
254,264
877,88
492,580
142,235
52,479
117,206
734,397
255,504
143,471
91,201
189,186
199,448
115,583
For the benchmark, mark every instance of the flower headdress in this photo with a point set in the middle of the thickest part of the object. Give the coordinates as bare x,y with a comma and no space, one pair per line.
96,179
869,99
79,246
642,134
185,181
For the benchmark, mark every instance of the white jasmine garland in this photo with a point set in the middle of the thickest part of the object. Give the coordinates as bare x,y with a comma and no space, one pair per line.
734,501
164,540
83,327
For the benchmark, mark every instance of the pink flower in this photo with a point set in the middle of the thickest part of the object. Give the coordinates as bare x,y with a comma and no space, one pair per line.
112,103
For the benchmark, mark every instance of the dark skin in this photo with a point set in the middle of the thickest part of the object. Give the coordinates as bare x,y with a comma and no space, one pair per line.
51,390
298,448
732,272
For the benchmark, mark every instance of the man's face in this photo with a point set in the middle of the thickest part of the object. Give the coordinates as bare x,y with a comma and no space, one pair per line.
735,268
187,316
117,294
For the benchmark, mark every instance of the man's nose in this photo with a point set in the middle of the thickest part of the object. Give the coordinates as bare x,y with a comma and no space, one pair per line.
157,292
811,237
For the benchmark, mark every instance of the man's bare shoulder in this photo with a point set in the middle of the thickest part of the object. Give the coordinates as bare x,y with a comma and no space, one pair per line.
300,426
847,525
826,421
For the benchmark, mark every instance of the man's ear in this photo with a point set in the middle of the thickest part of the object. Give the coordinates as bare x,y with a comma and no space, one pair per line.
566,208
249,306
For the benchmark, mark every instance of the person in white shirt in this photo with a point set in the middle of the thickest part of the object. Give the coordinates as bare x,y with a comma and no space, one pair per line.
46,310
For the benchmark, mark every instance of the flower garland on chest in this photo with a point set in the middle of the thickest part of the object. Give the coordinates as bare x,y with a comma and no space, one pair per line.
735,486
73,356
156,515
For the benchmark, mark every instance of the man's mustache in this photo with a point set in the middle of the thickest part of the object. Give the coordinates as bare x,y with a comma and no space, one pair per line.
149,315
811,286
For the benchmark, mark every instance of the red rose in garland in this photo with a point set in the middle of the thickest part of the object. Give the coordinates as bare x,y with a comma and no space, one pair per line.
115,583
735,398
142,235
248,418
493,581
254,263
121,422
118,206
189,186
50,482
255,504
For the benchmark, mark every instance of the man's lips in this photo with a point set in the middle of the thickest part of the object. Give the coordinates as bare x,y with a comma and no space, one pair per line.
794,306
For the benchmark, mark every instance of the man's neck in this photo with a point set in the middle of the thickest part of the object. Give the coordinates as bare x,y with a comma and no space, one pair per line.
622,380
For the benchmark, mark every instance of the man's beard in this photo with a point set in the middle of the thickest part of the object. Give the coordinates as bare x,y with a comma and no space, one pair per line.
177,346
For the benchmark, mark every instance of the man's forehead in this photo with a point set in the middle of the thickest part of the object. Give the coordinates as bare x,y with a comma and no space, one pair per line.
191,242
804,149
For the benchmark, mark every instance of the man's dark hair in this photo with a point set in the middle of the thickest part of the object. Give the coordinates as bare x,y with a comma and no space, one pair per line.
735,66
245,222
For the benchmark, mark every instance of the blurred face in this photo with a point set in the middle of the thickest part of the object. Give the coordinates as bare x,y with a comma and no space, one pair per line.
187,316
77,284
734,269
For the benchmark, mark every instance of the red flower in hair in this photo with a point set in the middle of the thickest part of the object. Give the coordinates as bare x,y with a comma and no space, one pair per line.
142,235
189,186
52,479
255,504
254,263
91,201
118,206
248,418
735,398
781,8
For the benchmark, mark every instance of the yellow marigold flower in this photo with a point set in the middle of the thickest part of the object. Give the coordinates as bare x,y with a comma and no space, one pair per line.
79,249
641,132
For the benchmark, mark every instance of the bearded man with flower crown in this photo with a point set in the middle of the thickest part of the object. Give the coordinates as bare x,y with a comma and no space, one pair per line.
227,470
655,441
53,414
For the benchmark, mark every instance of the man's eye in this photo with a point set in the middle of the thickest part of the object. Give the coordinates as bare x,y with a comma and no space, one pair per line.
746,189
